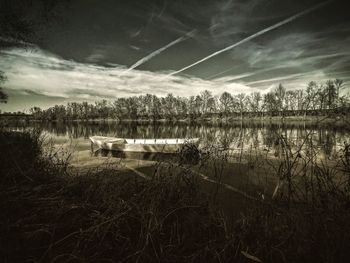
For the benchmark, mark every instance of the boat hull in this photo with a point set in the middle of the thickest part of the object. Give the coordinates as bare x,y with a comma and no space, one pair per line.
166,148
141,145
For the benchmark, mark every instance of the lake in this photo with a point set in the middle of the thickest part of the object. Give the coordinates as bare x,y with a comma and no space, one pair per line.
328,140
249,174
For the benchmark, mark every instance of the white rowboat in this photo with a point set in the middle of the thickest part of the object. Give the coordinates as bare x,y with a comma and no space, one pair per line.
141,145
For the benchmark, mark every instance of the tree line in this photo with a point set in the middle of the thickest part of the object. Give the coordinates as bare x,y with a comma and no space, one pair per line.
315,99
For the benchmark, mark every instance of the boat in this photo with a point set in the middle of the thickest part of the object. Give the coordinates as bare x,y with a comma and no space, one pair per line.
142,145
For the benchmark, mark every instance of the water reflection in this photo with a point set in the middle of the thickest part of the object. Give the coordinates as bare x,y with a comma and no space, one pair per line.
146,156
328,140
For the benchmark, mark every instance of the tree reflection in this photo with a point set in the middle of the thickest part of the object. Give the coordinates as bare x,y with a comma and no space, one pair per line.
239,136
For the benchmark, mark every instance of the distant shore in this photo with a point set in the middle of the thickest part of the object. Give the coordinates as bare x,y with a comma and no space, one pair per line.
320,120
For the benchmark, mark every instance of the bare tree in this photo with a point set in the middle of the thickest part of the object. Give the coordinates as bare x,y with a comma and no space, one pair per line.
280,93
270,103
291,100
206,97
241,103
226,103
331,94
310,99
255,101
338,85
36,112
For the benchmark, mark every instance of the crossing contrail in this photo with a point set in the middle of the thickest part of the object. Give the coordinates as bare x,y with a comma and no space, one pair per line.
279,24
158,51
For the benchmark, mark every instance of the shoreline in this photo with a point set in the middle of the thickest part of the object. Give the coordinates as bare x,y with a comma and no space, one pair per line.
338,121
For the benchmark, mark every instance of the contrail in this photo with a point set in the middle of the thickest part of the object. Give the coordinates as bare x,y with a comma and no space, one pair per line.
283,22
158,51
272,68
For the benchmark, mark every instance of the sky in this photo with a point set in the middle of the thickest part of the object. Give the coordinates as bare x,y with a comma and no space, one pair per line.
76,50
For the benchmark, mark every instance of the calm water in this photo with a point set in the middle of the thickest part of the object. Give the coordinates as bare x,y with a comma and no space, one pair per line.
327,140
236,176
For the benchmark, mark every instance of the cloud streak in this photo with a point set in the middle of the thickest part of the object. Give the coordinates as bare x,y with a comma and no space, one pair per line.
159,51
49,75
247,39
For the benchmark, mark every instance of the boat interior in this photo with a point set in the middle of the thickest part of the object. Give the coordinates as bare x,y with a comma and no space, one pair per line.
141,141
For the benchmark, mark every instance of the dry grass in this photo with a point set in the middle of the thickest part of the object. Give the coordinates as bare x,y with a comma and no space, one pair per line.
51,215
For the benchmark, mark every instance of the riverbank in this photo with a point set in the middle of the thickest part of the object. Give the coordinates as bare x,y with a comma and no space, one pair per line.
53,213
